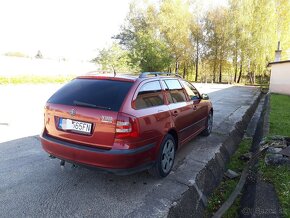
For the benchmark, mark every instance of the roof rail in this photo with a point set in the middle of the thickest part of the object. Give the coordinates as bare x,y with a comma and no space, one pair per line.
145,74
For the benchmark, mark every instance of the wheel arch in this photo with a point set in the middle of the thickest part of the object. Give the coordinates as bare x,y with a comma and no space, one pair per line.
174,134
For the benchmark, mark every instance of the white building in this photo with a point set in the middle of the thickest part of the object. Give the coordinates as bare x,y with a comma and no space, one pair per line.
280,74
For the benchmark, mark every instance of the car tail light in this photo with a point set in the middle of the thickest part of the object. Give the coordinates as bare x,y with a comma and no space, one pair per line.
126,126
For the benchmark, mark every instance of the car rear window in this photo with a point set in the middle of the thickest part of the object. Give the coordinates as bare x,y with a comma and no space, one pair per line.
174,91
102,94
150,95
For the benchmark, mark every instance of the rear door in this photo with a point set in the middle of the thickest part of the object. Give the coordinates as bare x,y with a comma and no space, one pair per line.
85,111
180,108
149,106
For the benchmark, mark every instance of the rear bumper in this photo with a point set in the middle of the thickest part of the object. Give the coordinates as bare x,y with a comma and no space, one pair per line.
116,161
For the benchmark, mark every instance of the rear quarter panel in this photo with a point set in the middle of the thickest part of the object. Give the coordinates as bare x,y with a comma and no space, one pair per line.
154,122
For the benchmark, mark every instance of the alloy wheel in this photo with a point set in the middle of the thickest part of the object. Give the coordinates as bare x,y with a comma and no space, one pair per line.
167,157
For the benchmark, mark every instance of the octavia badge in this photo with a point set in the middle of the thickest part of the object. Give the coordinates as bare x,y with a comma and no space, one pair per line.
72,112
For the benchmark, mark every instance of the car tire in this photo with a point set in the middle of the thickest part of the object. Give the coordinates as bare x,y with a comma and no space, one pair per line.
166,156
209,123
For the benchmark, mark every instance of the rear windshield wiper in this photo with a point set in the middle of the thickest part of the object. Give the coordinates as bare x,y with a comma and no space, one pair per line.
80,103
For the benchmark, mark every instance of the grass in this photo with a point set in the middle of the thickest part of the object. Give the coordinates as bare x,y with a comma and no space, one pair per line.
280,115
227,186
24,79
279,176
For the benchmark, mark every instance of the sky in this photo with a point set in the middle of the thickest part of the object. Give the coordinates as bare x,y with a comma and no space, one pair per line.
73,29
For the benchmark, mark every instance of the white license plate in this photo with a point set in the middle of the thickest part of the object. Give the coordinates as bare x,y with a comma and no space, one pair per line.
67,124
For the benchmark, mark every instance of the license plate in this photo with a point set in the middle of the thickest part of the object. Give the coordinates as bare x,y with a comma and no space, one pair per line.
68,124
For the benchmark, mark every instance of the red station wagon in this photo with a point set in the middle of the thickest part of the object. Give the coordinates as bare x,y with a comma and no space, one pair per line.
124,124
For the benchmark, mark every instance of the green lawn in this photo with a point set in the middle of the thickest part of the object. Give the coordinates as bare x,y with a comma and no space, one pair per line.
34,79
279,176
280,115
227,186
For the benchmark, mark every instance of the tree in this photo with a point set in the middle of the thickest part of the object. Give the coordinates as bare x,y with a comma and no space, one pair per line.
113,59
235,41
141,38
39,55
174,23
197,41
217,40
282,16
257,27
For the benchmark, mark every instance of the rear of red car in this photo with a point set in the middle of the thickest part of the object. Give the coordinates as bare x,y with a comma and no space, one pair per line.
84,124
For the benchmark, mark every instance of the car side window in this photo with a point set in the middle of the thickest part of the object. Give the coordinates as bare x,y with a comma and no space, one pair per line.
190,90
175,91
150,95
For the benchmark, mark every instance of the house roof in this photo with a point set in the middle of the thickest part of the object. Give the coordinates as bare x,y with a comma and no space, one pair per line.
278,62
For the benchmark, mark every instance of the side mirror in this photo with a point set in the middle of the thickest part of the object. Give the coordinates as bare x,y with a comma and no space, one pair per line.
205,97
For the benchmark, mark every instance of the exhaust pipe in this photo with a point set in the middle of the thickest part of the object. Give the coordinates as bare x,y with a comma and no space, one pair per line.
62,163
51,156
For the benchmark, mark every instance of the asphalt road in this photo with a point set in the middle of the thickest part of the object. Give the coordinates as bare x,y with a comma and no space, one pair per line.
32,185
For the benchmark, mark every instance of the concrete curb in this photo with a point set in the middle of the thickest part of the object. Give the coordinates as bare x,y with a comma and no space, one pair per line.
266,129
184,192
259,198
210,177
